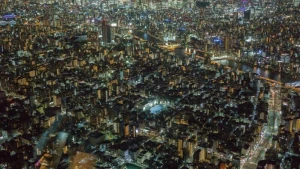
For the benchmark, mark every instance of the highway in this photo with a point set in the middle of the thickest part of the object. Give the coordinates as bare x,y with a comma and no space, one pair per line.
45,137
58,150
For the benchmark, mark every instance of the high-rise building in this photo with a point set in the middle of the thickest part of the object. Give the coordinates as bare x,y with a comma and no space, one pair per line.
247,14
106,32
289,125
180,147
117,126
202,154
190,147
126,130
227,44
134,131
296,124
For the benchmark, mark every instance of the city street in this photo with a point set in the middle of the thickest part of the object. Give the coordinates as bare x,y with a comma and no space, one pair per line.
257,153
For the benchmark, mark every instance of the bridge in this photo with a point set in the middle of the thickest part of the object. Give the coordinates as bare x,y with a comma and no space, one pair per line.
220,57
170,47
294,84
287,85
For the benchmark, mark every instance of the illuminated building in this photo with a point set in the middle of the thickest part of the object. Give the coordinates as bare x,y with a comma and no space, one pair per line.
83,160
275,142
134,131
190,147
44,162
289,125
126,130
227,44
180,147
203,154
118,126
296,124
106,32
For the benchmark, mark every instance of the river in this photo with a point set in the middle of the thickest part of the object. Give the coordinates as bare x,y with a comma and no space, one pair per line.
146,36
262,72
240,66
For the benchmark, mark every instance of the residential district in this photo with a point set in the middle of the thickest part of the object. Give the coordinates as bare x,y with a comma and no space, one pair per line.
149,84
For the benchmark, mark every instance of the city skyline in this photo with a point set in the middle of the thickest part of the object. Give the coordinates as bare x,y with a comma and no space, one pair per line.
149,84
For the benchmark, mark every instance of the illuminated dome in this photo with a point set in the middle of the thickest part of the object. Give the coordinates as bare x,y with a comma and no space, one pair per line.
156,106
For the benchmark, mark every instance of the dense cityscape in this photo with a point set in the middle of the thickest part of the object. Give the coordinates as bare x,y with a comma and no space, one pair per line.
149,84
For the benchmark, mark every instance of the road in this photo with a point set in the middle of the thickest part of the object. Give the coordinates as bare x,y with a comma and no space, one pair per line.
257,153
45,137
58,150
